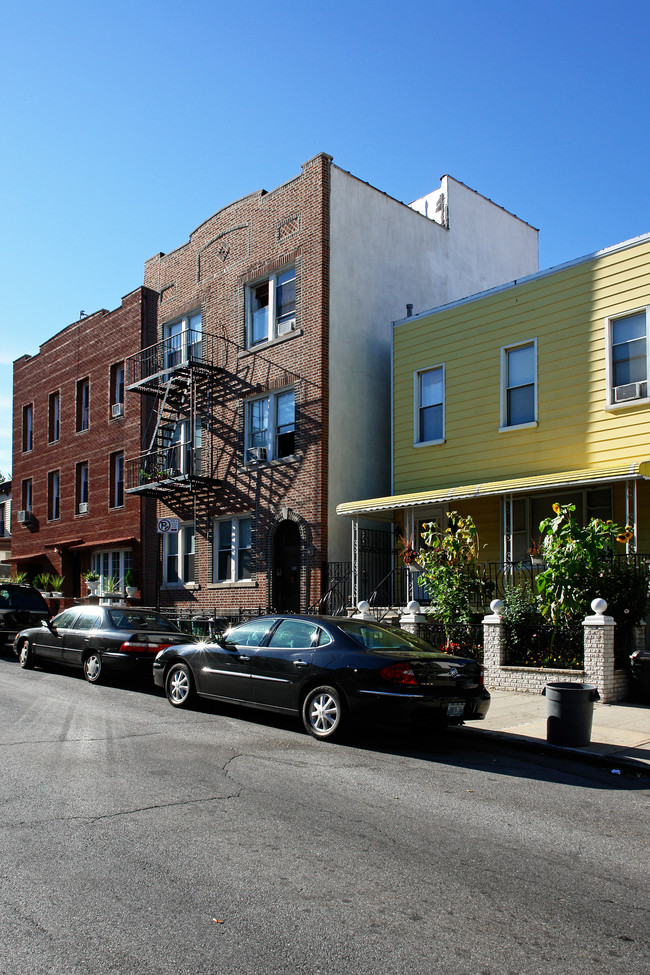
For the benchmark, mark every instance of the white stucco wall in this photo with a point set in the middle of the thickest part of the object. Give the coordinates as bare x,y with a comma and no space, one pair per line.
384,255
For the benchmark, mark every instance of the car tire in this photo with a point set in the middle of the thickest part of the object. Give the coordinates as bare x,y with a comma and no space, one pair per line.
179,686
25,655
323,713
92,667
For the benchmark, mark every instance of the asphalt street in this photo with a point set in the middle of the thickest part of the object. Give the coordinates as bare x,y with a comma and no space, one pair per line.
144,841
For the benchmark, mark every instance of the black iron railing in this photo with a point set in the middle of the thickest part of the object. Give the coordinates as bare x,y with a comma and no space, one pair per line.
179,351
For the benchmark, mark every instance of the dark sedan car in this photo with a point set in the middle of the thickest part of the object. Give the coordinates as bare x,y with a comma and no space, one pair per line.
20,606
99,638
328,670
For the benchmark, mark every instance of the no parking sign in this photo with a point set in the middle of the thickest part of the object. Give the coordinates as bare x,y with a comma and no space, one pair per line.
168,526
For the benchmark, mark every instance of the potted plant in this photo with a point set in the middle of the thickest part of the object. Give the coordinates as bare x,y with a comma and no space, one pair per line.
92,581
129,583
56,582
536,551
111,586
408,554
42,583
18,576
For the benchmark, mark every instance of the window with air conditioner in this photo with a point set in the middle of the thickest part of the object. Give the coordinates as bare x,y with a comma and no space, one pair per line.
271,426
627,344
81,487
271,307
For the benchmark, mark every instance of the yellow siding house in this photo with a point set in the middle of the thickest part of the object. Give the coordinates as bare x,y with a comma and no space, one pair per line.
531,393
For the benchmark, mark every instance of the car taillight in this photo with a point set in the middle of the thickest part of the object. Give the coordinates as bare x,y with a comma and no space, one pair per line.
481,678
400,673
133,646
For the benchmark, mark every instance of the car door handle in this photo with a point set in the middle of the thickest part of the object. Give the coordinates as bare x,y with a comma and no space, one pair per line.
300,663
242,657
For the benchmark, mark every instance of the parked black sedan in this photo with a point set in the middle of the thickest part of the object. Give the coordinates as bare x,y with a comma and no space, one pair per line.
99,638
328,670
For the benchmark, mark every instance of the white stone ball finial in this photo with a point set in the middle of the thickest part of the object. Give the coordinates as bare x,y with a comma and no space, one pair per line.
599,606
496,606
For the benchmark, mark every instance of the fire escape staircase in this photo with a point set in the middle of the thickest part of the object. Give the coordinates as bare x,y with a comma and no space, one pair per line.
179,376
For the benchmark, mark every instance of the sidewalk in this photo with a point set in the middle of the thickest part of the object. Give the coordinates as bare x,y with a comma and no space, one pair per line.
620,732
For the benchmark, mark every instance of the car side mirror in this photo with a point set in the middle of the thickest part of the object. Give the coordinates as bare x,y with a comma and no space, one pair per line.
50,625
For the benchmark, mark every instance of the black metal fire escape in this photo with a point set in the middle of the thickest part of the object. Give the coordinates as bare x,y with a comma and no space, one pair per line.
179,372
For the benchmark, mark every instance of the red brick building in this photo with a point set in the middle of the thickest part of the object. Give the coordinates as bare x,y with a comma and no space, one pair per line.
72,428
271,372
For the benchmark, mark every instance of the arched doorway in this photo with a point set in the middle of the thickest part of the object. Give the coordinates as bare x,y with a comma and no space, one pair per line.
286,568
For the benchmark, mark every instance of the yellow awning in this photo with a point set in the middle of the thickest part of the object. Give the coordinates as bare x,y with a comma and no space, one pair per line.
513,485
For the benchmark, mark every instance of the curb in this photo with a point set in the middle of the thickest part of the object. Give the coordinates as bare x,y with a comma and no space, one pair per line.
611,761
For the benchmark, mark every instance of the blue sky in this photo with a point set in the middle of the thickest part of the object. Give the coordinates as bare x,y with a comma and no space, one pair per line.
125,125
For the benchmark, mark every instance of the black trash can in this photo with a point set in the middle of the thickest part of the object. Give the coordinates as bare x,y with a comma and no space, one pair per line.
569,713
640,667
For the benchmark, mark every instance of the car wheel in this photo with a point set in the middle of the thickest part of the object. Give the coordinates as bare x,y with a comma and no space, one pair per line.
93,667
323,713
25,656
179,686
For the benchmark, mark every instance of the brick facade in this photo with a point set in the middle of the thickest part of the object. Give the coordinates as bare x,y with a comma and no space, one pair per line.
48,385
285,498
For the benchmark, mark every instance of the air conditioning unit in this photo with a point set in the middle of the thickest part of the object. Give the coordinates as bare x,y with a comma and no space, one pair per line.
83,507
623,394
24,517
257,453
118,409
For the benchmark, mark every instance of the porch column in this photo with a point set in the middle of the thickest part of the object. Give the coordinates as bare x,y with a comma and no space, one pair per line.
599,655
355,559
493,641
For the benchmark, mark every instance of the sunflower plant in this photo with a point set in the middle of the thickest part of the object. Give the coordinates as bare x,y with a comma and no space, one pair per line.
577,559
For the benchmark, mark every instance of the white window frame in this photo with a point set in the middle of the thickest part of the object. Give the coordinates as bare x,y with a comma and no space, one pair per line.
178,351
54,417
83,405
234,577
53,495
274,328
610,321
505,426
116,561
28,428
417,405
272,434
116,468
185,539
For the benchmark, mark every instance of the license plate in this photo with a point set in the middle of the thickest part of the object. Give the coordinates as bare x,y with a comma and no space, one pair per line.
456,709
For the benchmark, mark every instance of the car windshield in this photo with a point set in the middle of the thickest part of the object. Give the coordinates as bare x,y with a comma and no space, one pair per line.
371,636
22,599
129,619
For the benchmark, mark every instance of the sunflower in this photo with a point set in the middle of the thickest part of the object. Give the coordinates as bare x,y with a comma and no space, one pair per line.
556,508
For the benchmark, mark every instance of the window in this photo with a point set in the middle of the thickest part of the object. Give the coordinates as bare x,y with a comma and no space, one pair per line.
117,390
111,564
232,549
54,413
4,523
271,426
28,427
519,381
628,357
26,495
81,488
271,307
83,404
116,499
430,405
53,495
182,340
182,454
178,556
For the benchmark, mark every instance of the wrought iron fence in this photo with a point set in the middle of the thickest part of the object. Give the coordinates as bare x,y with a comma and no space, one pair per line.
337,590
463,640
543,644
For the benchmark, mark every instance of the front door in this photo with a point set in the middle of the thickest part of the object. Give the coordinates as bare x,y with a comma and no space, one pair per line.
286,562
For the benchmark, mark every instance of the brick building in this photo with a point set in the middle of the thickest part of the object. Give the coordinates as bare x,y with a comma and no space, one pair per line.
271,372
72,428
